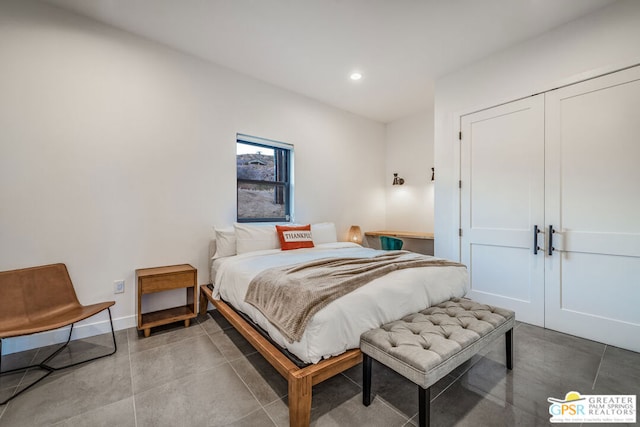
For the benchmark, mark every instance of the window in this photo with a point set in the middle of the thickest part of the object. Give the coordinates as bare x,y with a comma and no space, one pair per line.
264,179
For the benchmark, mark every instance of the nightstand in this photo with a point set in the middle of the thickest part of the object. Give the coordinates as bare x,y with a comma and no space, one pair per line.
159,279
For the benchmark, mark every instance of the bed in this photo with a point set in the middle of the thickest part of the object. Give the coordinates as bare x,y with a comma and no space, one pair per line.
330,341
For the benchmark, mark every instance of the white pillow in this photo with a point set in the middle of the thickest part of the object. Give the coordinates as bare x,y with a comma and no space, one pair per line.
324,232
225,242
256,237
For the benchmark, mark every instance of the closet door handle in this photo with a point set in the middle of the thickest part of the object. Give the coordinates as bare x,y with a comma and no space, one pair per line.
551,248
536,248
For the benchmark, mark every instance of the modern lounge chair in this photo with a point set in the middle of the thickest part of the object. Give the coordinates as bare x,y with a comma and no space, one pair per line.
39,299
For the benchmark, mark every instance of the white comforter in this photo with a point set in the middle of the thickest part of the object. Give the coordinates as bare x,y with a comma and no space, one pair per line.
337,327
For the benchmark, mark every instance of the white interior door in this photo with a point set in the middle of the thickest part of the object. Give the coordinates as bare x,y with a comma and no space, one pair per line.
502,199
593,202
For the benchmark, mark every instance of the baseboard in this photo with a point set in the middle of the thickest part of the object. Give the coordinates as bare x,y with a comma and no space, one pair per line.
80,330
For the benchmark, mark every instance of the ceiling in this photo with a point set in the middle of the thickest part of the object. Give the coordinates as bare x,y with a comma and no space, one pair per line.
312,46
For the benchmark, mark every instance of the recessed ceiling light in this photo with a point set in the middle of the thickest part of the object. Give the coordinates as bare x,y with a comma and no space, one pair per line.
356,76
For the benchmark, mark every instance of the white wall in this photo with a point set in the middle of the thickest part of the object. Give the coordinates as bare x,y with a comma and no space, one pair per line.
410,154
601,42
117,153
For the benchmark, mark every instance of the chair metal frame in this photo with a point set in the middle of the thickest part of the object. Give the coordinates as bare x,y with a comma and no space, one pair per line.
44,365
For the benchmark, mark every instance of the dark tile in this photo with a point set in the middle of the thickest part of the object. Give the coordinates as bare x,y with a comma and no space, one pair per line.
495,351
525,392
214,322
542,369
184,379
159,337
565,366
353,413
258,418
119,414
266,384
394,389
6,393
619,372
278,411
18,360
159,365
232,344
525,331
20,381
215,397
338,402
76,351
70,393
619,357
8,382
461,405
87,348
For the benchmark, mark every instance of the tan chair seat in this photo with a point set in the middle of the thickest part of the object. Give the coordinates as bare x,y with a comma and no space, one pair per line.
62,317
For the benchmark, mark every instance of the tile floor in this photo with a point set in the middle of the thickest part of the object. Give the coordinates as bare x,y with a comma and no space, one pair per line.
208,375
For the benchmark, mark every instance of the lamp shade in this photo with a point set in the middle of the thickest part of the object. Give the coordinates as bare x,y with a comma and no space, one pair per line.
355,234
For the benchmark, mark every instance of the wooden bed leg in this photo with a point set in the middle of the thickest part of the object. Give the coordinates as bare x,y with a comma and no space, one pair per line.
204,303
299,401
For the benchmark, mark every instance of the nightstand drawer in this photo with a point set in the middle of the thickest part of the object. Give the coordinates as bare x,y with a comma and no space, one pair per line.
166,282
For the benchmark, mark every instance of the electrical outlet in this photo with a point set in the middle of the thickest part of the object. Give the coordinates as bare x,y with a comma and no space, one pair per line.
118,287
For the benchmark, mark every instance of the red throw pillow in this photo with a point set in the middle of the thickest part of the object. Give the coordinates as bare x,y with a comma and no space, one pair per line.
294,236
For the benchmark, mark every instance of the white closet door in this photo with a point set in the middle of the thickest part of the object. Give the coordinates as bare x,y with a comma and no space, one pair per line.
502,198
593,202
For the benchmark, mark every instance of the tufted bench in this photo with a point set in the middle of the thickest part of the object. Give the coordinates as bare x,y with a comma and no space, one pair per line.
426,346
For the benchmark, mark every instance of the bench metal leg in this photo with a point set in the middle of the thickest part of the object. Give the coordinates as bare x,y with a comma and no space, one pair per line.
424,406
366,379
509,339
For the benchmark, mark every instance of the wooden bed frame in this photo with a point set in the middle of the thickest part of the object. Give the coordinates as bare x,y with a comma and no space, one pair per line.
300,380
